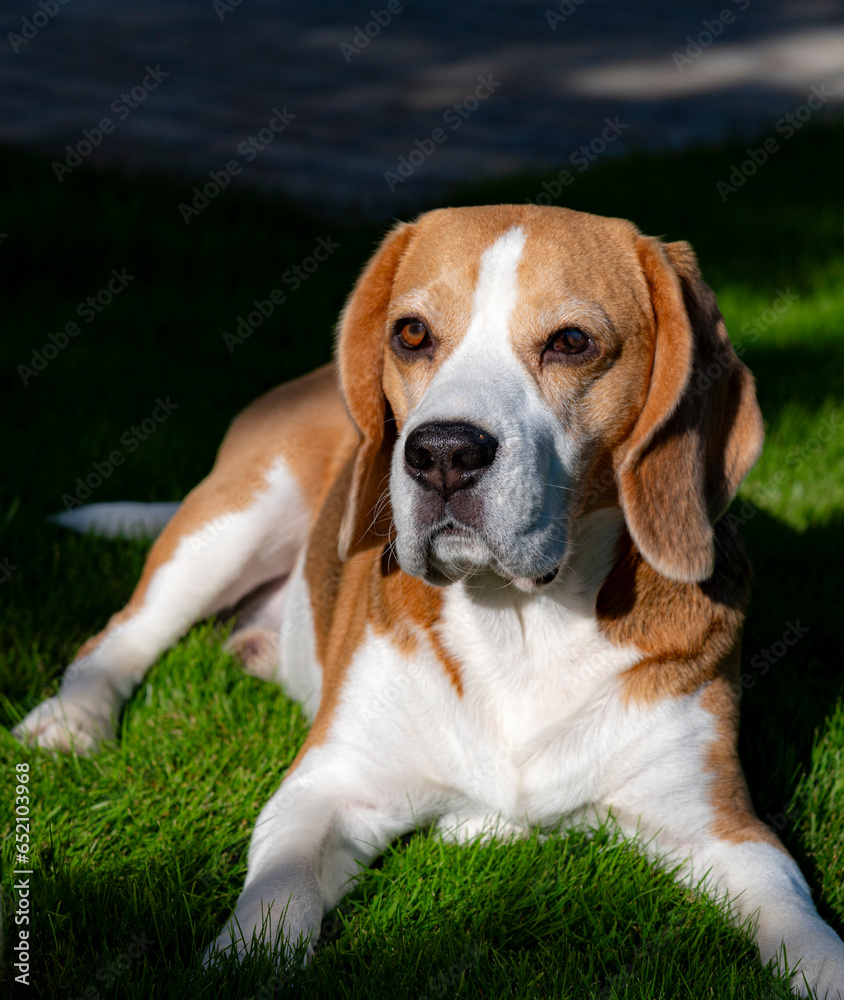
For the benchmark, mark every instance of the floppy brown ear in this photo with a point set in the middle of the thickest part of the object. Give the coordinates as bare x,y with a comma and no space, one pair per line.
700,430
361,337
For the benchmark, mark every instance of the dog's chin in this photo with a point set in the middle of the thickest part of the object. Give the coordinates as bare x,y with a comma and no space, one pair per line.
456,553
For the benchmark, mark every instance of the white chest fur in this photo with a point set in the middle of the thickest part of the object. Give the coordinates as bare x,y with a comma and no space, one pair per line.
540,727
540,714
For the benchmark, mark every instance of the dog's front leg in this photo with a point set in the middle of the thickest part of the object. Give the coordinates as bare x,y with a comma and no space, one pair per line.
765,885
718,841
328,818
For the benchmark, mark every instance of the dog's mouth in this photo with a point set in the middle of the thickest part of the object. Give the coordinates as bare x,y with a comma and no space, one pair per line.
452,529
456,551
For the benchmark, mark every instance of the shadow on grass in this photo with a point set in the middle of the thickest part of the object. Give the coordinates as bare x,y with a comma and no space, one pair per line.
791,669
811,375
789,685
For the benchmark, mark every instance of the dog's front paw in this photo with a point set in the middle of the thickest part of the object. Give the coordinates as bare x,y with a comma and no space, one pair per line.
826,983
820,973
63,724
237,947
247,930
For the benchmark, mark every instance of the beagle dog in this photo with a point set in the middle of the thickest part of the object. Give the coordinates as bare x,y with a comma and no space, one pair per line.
484,551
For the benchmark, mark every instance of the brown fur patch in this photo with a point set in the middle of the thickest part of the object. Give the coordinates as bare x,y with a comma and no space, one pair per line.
735,819
366,589
685,630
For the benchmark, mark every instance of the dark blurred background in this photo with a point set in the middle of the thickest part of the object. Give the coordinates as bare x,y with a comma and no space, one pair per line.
368,81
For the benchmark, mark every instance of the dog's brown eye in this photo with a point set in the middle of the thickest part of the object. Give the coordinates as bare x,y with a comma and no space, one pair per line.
571,341
412,333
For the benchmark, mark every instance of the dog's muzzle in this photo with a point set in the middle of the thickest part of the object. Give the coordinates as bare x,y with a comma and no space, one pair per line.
467,501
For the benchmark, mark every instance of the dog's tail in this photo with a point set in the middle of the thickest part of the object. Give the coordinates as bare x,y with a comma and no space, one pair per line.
118,520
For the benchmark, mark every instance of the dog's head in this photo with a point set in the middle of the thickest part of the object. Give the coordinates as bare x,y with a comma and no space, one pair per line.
512,368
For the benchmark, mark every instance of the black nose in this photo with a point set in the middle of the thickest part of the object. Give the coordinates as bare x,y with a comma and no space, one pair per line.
448,457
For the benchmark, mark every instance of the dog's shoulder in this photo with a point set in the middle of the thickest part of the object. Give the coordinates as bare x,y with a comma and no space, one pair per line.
688,632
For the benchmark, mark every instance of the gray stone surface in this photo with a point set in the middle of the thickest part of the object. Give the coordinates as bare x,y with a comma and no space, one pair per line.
358,112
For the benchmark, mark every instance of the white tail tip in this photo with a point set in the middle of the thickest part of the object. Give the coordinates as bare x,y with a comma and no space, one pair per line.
117,520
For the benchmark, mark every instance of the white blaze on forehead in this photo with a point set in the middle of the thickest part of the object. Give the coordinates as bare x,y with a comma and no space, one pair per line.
495,293
462,389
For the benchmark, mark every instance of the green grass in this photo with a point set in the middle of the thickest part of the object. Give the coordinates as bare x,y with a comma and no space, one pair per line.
148,839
